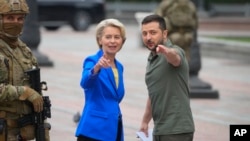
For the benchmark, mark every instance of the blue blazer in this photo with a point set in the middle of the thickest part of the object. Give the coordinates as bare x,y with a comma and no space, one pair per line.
101,111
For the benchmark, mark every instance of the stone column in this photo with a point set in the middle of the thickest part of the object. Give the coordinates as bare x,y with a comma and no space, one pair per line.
31,34
198,87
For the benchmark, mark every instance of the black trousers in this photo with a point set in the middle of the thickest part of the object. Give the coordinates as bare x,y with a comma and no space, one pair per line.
118,137
119,132
84,138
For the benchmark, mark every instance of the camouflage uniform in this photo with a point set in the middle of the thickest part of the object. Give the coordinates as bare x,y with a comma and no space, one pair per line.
15,59
181,23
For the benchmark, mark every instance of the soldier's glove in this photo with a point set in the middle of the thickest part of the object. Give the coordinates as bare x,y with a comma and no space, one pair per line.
34,97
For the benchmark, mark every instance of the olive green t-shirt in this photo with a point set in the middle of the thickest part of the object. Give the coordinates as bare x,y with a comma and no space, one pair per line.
169,93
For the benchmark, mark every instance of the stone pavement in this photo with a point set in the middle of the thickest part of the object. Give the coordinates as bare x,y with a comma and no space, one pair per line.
67,49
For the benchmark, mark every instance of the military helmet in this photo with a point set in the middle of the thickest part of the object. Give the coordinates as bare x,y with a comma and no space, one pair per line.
13,7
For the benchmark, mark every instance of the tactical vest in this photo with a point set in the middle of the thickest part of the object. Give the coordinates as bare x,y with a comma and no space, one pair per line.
16,61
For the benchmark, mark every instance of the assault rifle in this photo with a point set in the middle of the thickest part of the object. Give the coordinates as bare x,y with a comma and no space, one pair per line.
38,118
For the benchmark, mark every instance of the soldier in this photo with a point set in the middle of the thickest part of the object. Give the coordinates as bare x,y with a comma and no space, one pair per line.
182,22
17,99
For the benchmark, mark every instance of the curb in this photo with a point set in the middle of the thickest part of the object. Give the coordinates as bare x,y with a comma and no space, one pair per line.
224,48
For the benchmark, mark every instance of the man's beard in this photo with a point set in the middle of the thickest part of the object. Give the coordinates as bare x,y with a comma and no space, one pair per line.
155,47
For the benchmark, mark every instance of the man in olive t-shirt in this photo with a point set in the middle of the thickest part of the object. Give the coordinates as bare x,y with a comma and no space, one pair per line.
166,77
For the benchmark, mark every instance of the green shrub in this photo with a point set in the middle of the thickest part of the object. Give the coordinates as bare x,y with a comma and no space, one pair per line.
209,1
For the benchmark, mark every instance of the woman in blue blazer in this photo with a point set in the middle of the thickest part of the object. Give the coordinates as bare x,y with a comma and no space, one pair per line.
102,81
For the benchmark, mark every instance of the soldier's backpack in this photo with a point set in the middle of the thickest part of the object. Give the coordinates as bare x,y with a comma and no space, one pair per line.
181,13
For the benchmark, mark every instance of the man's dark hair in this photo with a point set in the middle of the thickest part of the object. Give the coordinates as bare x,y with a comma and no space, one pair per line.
155,18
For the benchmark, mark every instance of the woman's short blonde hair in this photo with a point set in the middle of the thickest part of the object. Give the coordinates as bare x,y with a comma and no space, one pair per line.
106,23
